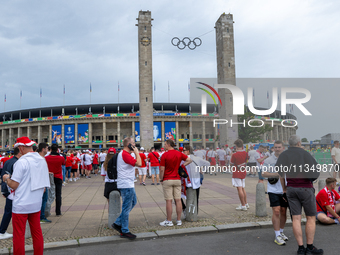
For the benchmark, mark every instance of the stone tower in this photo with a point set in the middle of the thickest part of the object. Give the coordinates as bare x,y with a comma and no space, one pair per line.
226,75
145,79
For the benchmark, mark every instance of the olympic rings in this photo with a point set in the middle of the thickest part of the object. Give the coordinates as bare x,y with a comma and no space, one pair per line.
186,42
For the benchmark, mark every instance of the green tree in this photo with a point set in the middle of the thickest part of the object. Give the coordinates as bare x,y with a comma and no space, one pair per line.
251,134
305,140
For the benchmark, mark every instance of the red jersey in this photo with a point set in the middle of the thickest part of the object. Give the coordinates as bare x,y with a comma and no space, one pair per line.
153,159
95,159
322,199
238,161
143,158
171,160
54,163
75,161
68,161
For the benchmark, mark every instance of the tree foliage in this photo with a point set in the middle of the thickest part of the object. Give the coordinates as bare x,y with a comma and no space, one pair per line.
304,140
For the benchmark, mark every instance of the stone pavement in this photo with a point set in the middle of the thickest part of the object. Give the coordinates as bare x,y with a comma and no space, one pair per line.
85,213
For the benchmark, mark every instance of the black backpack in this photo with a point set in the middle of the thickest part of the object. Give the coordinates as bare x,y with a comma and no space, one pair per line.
112,167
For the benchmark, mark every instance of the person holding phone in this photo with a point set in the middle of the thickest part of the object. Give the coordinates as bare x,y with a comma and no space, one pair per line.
125,183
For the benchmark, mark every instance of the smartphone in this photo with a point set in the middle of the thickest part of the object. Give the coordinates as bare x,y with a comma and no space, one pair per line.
131,147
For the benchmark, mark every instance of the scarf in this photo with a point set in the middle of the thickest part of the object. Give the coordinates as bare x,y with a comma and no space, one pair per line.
330,200
183,184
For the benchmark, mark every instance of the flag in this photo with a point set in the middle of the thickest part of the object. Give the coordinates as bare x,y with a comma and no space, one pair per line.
40,92
64,89
5,97
267,95
118,86
90,87
20,94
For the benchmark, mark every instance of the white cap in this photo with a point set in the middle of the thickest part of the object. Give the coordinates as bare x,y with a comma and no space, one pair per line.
207,148
3,154
142,148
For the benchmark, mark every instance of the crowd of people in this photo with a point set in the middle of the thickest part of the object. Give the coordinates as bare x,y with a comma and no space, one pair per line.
31,171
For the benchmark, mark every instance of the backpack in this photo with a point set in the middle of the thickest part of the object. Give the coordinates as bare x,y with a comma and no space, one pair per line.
112,167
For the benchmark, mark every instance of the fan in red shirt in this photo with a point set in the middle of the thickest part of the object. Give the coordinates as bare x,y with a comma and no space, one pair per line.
238,162
142,168
74,166
327,210
95,163
68,165
171,180
153,158
54,163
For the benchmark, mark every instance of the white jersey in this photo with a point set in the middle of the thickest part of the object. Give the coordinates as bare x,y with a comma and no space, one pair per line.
211,154
268,163
102,157
221,154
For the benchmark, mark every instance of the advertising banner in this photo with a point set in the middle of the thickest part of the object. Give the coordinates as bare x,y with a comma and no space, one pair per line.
157,131
83,133
56,134
69,134
137,132
170,130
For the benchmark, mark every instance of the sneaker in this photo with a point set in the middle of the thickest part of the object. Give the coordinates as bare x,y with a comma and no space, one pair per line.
45,221
241,208
128,235
144,183
166,223
158,183
70,180
153,183
179,223
6,235
140,183
117,227
314,251
284,237
88,177
135,180
278,240
63,185
75,179
301,250
247,205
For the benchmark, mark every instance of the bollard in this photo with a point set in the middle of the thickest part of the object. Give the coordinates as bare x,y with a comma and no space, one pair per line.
114,207
51,196
191,209
261,209
27,231
321,184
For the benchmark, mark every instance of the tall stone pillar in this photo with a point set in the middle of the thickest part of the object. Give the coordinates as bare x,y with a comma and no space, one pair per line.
19,132
271,135
29,132
177,134
39,134
133,130
63,136
204,142
190,135
276,133
215,135
104,135
118,134
10,138
145,79
50,135
75,134
90,135
163,128
3,139
226,75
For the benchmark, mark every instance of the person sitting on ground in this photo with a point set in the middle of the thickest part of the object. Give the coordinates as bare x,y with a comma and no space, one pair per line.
327,208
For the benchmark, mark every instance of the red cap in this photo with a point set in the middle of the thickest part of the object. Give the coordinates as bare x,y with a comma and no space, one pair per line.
180,149
226,145
23,141
162,149
112,150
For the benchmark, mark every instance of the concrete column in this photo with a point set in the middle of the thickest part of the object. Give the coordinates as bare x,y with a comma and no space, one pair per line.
163,137
276,133
271,135
3,141
39,134
19,132
204,142
118,133
264,138
10,138
190,135
90,135
133,129
63,136
104,135
76,134
29,132
177,134
50,135
215,135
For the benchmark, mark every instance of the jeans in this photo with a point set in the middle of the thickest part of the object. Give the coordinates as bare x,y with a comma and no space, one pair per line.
154,170
6,218
43,205
129,201
63,167
68,171
58,184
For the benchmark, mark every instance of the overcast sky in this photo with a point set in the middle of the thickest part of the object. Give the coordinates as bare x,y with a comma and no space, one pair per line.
46,44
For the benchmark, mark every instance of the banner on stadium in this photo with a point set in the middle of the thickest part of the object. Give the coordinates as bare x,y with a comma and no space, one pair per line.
83,133
157,131
56,134
69,134
137,132
170,130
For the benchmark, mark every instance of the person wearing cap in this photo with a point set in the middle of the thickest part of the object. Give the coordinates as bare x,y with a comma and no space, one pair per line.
87,163
180,149
110,184
29,179
142,169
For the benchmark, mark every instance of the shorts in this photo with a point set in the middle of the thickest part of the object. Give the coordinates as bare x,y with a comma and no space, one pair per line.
88,167
142,170
238,182
222,162
74,170
228,158
250,164
277,200
172,189
95,166
212,161
301,197
154,170
109,186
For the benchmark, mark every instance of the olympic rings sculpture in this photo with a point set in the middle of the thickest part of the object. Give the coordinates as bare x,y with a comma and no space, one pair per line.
186,42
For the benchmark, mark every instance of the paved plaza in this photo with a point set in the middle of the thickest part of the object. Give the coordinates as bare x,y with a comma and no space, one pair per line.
85,213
